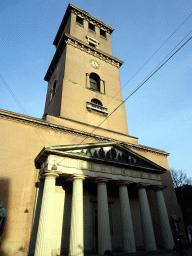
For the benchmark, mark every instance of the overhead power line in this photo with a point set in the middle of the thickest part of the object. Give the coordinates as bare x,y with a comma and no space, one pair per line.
145,80
19,104
149,59
13,95
24,112
156,51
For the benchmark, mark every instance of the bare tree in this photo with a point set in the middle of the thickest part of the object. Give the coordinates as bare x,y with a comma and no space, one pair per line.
180,178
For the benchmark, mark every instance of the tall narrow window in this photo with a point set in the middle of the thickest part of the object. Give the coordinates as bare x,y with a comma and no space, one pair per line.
95,82
102,33
91,27
79,20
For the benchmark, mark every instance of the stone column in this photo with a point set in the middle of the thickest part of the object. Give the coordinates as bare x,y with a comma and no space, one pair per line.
76,242
163,218
44,235
104,235
126,219
147,226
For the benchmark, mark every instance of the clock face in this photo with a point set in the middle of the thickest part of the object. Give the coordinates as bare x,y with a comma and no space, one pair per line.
94,63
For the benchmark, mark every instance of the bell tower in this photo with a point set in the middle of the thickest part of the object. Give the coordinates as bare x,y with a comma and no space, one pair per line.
83,77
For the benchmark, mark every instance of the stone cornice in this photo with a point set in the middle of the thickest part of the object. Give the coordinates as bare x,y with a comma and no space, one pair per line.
4,114
85,15
71,40
146,148
92,51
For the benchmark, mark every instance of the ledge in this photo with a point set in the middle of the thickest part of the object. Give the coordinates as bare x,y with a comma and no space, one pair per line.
73,41
36,121
92,106
85,15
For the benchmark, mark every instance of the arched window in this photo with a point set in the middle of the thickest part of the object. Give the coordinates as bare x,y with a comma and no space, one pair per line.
95,82
96,101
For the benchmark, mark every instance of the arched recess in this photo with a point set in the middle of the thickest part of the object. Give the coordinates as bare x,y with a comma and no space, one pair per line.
94,82
96,101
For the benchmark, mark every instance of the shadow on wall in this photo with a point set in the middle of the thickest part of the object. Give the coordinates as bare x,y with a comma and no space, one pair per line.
35,224
4,195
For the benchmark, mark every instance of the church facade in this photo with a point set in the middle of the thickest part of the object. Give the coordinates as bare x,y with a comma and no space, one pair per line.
75,182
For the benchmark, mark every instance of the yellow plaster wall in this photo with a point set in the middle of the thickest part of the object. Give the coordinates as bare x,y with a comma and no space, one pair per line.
20,142
81,32
76,92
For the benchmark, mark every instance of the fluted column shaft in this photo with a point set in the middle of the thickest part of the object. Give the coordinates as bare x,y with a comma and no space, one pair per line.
76,242
164,220
104,236
44,235
127,225
147,226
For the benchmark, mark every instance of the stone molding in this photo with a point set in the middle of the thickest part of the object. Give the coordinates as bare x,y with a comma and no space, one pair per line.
95,107
158,187
70,168
4,114
143,185
145,148
124,182
73,41
101,180
67,39
85,15
77,177
89,18
107,95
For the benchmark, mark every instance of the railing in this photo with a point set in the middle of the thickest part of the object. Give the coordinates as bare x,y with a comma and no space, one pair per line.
92,106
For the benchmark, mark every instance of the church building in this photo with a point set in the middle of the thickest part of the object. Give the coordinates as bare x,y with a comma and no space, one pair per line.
75,182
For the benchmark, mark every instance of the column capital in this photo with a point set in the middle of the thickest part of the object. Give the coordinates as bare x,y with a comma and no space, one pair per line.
124,182
143,185
158,187
49,175
77,177
101,180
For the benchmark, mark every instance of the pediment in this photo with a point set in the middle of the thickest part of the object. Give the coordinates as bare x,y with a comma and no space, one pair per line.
108,152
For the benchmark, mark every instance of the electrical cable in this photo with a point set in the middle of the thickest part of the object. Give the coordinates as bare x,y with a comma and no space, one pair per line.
158,67
147,61
13,95
19,104
149,76
145,80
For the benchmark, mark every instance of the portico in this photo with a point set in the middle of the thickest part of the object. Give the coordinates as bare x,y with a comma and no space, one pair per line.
105,166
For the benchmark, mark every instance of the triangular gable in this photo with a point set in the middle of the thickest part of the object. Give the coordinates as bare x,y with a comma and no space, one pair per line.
109,152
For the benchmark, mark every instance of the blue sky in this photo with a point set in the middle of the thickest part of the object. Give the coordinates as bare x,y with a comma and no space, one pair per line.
159,114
